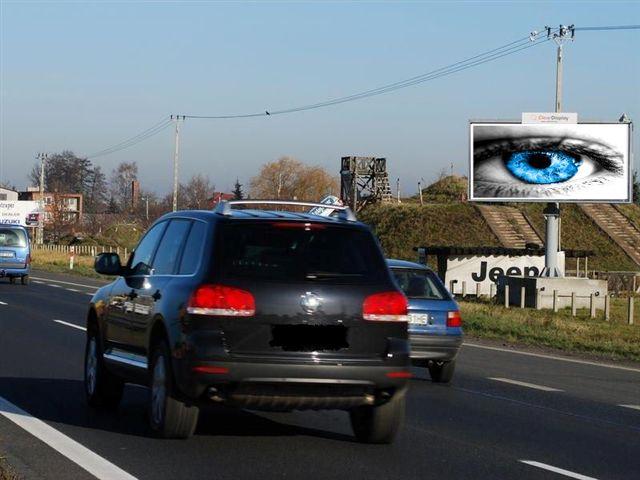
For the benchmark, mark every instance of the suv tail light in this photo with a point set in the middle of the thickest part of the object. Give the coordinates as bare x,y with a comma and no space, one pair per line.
454,319
385,307
221,300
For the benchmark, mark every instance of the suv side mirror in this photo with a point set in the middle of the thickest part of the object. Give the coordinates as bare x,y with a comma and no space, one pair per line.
108,264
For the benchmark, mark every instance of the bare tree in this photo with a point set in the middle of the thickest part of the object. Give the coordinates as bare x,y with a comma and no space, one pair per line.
121,179
196,194
289,178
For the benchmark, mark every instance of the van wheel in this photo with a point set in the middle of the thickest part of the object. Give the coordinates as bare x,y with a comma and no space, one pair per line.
381,423
101,387
169,415
24,280
12,280
442,372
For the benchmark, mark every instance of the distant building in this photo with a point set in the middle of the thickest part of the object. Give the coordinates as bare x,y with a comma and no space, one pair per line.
8,195
218,197
70,204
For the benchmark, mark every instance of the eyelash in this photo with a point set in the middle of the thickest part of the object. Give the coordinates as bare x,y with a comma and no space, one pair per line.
604,159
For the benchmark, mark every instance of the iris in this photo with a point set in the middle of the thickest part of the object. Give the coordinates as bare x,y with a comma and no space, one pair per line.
533,166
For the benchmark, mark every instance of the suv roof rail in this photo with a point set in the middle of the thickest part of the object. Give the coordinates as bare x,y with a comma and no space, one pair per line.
344,213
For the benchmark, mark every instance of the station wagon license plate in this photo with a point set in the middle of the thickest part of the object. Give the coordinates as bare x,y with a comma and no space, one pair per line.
6,254
418,319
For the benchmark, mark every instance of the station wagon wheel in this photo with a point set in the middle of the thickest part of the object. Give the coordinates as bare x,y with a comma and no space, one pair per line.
24,280
102,388
442,372
169,415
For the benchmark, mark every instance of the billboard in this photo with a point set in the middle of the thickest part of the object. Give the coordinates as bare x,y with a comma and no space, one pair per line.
486,269
18,212
563,162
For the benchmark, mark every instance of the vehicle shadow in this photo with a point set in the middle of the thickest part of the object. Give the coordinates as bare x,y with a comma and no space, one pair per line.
62,401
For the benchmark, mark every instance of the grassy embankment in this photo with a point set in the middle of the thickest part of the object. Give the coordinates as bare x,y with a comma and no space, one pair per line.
6,472
613,340
59,263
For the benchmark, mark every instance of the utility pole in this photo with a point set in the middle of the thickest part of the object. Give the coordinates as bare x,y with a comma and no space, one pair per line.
176,154
40,232
552,211
398,188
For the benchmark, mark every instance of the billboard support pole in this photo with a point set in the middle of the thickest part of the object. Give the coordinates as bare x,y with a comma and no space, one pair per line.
552,211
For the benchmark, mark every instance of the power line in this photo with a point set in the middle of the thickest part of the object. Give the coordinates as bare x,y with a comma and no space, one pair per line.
610,27
493,54
144,135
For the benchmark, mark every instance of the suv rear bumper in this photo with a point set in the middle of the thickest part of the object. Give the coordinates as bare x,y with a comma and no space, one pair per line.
13,272
258,383
434,347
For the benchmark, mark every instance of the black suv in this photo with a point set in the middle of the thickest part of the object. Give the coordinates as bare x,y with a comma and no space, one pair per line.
265,310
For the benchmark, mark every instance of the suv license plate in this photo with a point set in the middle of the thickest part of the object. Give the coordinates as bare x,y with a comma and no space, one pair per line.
6,254
418,319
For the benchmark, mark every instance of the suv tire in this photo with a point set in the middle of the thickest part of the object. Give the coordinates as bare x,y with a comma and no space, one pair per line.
380,423
442,372
24,280
101,387
169,416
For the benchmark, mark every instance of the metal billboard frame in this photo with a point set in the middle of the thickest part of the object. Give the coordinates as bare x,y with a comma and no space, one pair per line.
471,197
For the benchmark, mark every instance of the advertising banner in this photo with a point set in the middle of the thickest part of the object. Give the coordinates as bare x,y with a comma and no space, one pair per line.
19,212
485,270
550,162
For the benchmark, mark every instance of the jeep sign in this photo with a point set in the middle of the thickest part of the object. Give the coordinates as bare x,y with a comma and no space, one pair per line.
485,270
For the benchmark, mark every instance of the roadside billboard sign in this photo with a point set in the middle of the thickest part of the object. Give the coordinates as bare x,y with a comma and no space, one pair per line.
19,212
550,162
486,269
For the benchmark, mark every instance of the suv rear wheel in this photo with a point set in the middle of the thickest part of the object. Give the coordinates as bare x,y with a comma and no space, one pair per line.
379,424
102,388
169,416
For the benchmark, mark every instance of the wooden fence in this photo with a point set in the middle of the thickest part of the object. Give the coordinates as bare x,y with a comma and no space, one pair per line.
84,250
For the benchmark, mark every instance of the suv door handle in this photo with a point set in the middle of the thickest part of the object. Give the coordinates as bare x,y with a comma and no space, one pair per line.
156,296
132,294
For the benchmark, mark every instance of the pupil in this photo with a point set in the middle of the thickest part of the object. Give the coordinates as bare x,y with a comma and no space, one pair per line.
539,160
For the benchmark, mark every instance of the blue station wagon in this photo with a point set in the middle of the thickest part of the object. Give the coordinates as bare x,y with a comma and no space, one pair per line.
15,253
435,325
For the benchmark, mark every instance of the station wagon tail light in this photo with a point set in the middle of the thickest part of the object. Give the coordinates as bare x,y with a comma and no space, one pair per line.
221,300
385,307
454,319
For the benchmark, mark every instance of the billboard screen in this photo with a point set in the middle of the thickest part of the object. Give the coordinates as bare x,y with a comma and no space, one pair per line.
581,162
19,212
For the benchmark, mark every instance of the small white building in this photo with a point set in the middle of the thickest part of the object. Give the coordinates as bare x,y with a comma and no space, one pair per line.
7,195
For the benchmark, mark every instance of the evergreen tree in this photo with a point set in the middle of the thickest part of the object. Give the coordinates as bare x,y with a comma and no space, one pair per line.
238,194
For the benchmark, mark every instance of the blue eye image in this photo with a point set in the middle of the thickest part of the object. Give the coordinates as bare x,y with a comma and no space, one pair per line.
542,167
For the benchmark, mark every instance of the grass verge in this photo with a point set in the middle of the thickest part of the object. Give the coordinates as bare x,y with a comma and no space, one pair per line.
59,263
613,340
6,472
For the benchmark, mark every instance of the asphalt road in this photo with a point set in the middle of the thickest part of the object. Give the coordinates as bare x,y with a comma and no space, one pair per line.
503,409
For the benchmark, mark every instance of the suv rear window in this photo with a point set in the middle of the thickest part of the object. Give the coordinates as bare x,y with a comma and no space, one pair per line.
12,237
419,284
295,251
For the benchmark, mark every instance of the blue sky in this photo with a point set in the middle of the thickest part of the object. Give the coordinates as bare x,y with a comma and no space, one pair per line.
84,76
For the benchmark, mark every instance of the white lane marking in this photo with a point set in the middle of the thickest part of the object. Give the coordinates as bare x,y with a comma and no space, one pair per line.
65,283
52,285
36,281
4,303
525,384
74,451
73,325
635,407
72,290
561,471
552,357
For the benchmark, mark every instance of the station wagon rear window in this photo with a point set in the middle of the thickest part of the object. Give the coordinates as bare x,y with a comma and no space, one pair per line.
295,251
419,284
12,237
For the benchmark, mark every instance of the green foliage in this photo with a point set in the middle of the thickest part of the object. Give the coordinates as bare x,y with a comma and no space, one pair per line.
447,189
614,339
401,227
579,232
